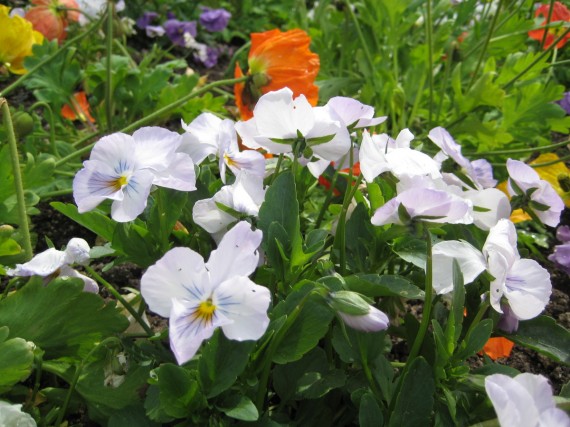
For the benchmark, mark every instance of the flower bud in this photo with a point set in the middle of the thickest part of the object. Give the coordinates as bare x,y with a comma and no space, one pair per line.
349,303
23,123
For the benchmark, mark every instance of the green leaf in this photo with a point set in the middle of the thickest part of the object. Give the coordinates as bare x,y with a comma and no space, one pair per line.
415,401
136,243
16,360
369,413
475,340
180,394
98,223
544,335
307,330
455,320
239,407
221,362
411,250
9,247
375,285
60,318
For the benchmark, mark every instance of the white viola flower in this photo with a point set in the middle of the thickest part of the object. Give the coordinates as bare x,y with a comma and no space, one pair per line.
524,401
537,194
92,9
489,206
11,415
53,263
245,196
525,284
380,153
279,122
479,171
199,296
353,113
424,204
208,135
123,168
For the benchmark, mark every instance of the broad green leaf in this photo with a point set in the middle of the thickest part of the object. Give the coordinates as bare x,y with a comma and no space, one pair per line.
415,401
313,385
475,340
411,250
60,318
307,330
9,247
369,413
16,359
180,393
544,335
375,285
455,320
136,243
239,407
98,223
221,362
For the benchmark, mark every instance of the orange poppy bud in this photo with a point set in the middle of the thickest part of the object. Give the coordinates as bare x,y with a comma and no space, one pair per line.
79,110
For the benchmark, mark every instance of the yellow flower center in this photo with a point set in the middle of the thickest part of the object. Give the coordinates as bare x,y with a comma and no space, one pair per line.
205,311
229,161
119,183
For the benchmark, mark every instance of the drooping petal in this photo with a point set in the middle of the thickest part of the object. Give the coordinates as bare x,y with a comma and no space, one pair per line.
495,201
90,285
524,176
179,274
236,254
77,251
353,112
528,288
470,260
447,144
245,304
513,404
187,330
546,195
43,264
483,173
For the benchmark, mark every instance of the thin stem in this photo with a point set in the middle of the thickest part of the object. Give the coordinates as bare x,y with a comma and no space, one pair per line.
157,114
109,82
85,138
482,310
18,182
366,369
277,168
426,316
78,371
548,19
552,162
520,150
235,56
120,298
57,193
486,44
329,196
50,58
429,35
51,122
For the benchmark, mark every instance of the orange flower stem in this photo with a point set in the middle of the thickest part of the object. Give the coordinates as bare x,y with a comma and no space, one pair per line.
51,125
536,60
94,27
548,19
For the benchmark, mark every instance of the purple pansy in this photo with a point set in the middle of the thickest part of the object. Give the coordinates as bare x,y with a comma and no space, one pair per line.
561,255
146,19
214,20
565,102
176,30
210,59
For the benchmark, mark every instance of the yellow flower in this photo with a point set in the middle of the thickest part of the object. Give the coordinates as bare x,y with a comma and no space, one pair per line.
16,39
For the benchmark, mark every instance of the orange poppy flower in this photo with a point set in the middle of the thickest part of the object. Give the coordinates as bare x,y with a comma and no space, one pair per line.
498,347
80,109
276,60
559,13
50,18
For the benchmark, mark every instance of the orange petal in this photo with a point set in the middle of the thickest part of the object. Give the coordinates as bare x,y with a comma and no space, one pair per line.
80,109
498,347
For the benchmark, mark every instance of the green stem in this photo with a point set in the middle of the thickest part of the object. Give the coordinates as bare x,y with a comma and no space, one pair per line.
486,44
553,162
120,298
157,114
51,121
268,358
109,82
482,310
426,315
429,35
50,58
277,168
366,369
520,150
85,138
329,196
235,56
548,19
38,359
18,182
78,371
57,193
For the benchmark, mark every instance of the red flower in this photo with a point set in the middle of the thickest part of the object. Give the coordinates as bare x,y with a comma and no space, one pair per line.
277,60
559,13
50,18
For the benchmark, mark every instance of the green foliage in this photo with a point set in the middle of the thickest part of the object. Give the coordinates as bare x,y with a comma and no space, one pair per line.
16,358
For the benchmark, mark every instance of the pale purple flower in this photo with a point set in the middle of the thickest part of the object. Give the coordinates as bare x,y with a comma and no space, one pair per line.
176,31
146,19
565,102
209,57
374,321
561,255
543,200
153,31
353,113
424,204
524,401
123,168
53,263
199,296
12,415
508,321
214,20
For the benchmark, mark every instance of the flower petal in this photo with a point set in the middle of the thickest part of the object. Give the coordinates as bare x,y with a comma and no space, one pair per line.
135,197
43,264
528,288
470,260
